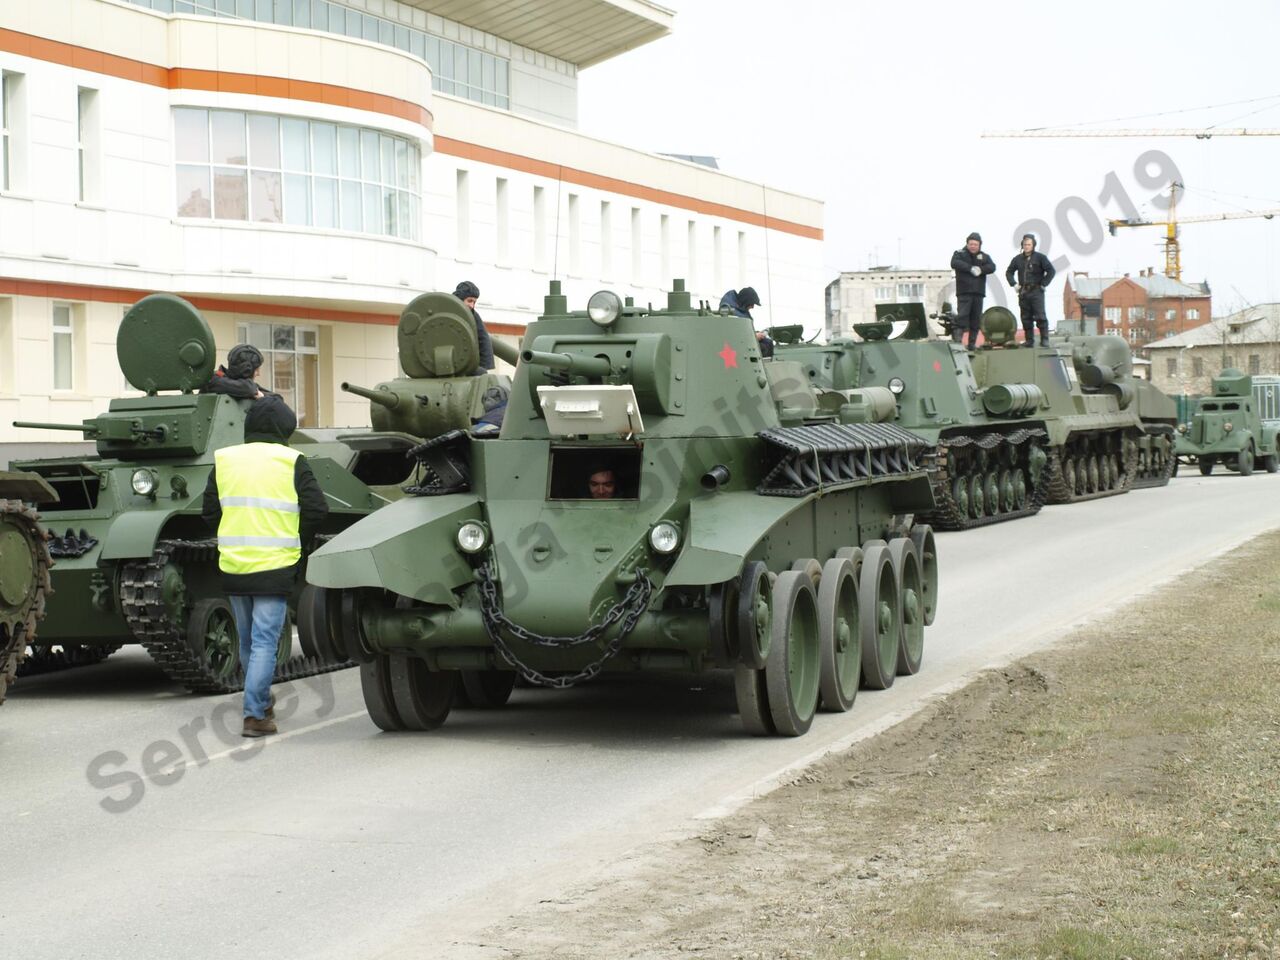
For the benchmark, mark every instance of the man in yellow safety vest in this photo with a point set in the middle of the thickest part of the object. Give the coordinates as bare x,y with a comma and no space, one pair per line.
265,502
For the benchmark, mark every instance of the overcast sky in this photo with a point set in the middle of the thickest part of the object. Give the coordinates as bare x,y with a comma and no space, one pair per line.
876,108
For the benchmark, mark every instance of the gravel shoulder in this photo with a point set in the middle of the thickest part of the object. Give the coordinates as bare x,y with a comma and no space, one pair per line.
1116,796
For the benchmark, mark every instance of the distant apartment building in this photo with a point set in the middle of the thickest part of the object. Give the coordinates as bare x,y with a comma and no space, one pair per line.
1142,309
1247,340
852,297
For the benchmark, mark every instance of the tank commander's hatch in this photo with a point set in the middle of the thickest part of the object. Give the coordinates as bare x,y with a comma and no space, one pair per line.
436,337
591,410
164,344
912,314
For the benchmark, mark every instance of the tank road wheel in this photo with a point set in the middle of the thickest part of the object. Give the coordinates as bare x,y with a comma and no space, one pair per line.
1007,503
991,488
379,699
488,689
1094,474
722,623
317,617
927,551
977,497
352,640
810,568
753,701
212,636
960,494
853,555
841,645
1244,462
754,595
791,674
1069,474
878,618
1019,490
423,697
1271,463
906,568
1206,466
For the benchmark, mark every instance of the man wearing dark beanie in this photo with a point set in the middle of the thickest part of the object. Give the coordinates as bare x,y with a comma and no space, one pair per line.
740,302
469,293
1029,273
972,267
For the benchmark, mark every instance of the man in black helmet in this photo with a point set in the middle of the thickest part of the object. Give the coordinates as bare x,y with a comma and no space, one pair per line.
740,302
972,267
469,293
1029,273
239,377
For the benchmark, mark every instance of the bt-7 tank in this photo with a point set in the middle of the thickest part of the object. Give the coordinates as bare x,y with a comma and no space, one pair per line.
24,568
135,561
734,524
1226,428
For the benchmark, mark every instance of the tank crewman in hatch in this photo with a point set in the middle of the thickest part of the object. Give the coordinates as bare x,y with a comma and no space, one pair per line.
740,303
972,267
1029,273
240,375
265,503
469,293
602,482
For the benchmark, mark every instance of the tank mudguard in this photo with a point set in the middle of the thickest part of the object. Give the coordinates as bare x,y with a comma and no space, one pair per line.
723,529
393,548
134,533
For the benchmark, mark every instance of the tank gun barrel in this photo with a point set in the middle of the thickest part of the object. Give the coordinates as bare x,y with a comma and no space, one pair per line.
570,363
505,351
383,398
77,427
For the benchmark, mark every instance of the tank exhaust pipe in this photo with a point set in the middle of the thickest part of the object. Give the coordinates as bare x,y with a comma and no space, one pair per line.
715,478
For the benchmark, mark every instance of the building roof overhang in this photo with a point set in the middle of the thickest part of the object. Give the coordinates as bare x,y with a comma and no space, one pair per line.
582,32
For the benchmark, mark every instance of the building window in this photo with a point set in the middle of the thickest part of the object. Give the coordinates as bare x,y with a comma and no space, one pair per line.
1193,314
63,347
1137,313
1228,361
462,213
468,72
502,220
1171,366
1112,315
540,229
290,359
717,257
575,236
693,256
884,294
1171,314
1197,366
910,292
637,247
88,153
271,169
1255,363
10,85
606,239
664,240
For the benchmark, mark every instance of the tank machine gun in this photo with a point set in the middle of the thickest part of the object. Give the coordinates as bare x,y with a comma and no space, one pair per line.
746,531
136,563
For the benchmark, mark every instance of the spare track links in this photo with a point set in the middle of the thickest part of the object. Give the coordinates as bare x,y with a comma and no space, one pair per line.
149,617
1060,491
949,514
829,456
1144,479
14,636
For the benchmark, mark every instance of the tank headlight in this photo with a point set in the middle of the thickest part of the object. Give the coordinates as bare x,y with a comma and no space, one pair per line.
472,537
664,537
143,482
1228,426
896,386
1182,428
604,307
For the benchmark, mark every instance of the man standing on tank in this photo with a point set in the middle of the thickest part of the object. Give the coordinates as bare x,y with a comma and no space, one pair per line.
469,293
739,303
264,501
972,267
1029,273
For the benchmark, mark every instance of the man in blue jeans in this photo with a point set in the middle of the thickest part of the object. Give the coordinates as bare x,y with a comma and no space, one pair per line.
265,502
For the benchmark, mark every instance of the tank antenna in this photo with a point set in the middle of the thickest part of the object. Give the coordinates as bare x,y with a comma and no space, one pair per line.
768,264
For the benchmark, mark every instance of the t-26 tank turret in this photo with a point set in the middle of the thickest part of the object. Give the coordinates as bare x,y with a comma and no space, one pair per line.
135,561
658,499
24,568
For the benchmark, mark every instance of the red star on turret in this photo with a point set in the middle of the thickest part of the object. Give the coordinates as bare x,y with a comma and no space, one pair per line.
729,356
937,366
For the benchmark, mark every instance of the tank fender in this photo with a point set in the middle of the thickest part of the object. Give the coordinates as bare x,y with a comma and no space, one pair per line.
723,529
407,547
134,533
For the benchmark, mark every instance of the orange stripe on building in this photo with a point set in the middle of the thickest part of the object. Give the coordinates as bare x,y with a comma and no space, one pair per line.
217,81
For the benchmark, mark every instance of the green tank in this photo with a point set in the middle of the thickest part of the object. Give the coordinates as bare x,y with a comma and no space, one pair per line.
735,524
24,568
987,446
135,561
1226,428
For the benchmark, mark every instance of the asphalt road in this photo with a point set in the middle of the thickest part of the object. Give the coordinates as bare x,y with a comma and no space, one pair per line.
138,824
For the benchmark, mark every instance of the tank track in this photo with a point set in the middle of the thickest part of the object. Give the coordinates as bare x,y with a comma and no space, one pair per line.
148,616
947,514
1056,486
43,658
16,636
1146,481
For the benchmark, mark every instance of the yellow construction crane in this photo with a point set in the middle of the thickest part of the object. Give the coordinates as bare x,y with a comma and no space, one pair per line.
1172,251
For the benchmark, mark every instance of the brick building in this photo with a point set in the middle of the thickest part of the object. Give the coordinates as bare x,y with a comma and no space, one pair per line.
1141,309
1247,340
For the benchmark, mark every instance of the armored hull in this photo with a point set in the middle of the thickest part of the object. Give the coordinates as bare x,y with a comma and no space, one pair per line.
744,529
1227,428
24,569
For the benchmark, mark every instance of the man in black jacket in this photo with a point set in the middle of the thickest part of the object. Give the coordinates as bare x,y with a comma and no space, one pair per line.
266,504
469,293
1029,273
239,377
972,267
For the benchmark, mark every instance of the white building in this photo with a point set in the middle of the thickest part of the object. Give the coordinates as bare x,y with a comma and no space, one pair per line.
852,297
299,169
